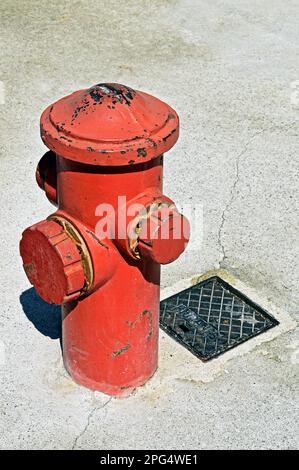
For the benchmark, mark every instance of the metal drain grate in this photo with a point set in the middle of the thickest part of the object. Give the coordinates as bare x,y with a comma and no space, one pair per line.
211,317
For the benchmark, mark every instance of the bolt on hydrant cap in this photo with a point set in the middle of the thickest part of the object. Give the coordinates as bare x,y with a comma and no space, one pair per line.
109,124
52,262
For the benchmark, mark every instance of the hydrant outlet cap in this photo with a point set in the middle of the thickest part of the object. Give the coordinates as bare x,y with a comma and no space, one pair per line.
52,262
109,124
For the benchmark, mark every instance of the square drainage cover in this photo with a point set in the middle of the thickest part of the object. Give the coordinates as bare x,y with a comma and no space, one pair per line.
212,317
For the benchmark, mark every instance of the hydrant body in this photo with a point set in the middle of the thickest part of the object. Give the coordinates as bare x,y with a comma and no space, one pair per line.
99,254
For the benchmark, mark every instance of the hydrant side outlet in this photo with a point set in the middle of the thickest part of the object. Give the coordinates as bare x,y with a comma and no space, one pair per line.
99,254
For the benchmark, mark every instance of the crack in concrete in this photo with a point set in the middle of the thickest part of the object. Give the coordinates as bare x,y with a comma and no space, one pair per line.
90,415
232,194
236,181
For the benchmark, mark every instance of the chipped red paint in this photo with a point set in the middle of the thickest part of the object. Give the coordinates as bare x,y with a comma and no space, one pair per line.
105,141
109,124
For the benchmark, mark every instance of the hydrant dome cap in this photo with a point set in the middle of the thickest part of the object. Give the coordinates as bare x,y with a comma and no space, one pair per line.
109,124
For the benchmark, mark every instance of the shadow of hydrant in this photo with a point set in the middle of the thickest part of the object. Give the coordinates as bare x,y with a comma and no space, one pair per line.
45,317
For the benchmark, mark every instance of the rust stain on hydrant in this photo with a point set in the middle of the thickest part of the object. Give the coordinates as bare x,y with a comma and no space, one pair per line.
121,350
106,142
149,315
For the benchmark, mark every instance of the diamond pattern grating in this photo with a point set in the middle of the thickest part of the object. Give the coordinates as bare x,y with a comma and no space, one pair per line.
212,317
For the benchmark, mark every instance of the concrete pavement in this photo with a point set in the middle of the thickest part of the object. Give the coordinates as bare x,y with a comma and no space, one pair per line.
230,69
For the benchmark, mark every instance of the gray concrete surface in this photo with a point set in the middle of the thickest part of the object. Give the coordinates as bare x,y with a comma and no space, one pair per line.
228,68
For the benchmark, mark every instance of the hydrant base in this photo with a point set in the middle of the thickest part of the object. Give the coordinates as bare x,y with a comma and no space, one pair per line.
112,390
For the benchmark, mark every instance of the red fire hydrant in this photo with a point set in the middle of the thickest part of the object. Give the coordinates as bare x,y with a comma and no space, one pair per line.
99,254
